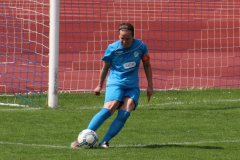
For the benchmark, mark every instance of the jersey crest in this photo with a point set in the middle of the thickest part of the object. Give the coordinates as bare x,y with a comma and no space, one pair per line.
136,54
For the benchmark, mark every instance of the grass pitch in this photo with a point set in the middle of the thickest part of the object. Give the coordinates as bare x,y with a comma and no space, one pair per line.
174,125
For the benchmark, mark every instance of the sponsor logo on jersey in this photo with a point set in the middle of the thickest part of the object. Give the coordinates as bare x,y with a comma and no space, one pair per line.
129,65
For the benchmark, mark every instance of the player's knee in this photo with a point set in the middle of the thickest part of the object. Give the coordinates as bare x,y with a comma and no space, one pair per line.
112,105
128,105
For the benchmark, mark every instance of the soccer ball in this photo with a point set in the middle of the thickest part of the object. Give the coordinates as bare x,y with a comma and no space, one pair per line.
87,139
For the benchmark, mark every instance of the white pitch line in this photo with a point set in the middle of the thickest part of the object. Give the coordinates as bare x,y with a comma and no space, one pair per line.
33,145
20,109
125,145
142,105
194,102
176,143
16,105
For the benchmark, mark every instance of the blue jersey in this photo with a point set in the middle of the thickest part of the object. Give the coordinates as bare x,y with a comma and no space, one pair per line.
124,63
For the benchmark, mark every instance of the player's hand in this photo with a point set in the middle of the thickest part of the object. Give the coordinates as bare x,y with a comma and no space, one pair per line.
97,90
149,93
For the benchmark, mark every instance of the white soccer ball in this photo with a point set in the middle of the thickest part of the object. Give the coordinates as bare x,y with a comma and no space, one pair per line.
88,139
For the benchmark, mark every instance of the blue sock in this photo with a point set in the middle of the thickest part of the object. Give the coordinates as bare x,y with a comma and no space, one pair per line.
116,125
99,118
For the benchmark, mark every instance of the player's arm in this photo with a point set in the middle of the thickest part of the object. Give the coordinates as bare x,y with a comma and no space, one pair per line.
103,75
148,73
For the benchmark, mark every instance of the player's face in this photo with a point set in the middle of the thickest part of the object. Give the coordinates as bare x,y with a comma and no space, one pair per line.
126,38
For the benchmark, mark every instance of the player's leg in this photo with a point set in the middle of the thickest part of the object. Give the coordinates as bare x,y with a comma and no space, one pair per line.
129,104
112,102
100,117
115,127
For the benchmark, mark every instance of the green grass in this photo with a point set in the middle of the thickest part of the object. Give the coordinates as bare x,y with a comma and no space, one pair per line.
174,125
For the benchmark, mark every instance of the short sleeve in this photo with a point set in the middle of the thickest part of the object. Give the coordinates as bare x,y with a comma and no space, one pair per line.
107,55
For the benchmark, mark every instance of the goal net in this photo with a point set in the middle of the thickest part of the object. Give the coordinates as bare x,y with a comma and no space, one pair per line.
192,43
24,27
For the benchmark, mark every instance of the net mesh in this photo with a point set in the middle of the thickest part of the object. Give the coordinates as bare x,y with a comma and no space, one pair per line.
193,44
24,50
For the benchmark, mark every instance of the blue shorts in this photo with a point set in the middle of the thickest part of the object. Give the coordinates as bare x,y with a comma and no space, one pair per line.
117,93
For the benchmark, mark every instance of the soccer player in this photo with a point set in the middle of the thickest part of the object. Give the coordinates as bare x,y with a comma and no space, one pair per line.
122,59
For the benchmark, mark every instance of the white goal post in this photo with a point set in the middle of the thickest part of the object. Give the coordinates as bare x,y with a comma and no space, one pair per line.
53,54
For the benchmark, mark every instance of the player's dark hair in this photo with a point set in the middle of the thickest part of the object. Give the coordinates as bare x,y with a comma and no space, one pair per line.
126,26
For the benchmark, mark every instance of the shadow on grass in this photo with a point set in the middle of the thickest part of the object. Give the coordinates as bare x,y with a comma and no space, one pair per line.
180,146
154,146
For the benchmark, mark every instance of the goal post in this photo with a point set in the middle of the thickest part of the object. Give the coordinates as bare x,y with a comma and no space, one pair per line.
53,54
